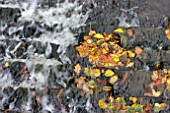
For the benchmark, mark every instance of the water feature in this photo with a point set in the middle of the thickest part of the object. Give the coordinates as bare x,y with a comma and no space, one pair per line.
34,46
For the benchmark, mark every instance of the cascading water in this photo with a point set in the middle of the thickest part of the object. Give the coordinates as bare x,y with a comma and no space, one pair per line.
34,46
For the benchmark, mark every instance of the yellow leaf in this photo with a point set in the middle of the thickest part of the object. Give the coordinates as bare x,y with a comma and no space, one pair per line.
102,104
6,64
156,93
92,32
104,51
133,99
162,105
99,36
96,72
77,69
119,30
131,54
116,59
113,79
109,73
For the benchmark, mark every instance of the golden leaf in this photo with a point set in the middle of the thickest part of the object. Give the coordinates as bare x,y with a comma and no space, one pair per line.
113,79
96,72
102,104
109,73
77,69
6,64
119,30
99,36
116,59
133,99
131,54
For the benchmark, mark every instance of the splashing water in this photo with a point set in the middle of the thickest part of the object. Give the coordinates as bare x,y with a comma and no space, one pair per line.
38,40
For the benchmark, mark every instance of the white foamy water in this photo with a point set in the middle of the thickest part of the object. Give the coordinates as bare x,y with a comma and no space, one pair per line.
58,25
123,19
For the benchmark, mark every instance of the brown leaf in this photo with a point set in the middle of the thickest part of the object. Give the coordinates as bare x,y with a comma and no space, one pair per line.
130,32
77,69
59,93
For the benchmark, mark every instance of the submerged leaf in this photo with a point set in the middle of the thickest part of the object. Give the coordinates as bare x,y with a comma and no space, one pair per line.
123,41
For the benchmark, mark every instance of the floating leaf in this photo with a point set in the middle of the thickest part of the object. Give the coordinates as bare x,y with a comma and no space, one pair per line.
109,73
113,79
102,104
99,36
138,50
77,69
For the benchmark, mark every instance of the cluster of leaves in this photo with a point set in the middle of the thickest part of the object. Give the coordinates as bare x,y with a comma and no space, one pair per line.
119,104
106,53
105,50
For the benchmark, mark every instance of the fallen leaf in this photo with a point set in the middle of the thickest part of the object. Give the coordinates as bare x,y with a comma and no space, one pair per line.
113,79
102,104
77,69
130,64
59,93
109,73
6,64
107,88
138,50
96,72
86,37
156,93
99,36
130,32
133,99
124,78
119,30
131,54
23,71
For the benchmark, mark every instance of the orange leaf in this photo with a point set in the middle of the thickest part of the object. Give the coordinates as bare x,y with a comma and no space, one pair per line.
86,37
77,69
138,50
124,78
23,71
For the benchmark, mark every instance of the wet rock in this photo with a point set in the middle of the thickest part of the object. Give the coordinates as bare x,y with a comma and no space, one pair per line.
137,83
